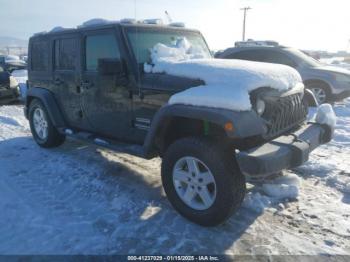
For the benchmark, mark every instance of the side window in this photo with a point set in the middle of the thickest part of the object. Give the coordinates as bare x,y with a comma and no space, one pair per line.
100,47
66,54
40,56
251,55
279,58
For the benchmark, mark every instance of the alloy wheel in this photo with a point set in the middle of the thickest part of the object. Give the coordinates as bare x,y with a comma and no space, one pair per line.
40,123
320,94
194,183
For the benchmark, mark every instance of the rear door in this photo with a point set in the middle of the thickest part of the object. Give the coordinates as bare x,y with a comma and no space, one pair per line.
106,98
66,79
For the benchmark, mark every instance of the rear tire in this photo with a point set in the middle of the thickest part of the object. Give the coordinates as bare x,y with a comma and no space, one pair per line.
43,131
209,204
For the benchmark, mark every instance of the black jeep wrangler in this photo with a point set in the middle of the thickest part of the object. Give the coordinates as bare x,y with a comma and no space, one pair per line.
89,83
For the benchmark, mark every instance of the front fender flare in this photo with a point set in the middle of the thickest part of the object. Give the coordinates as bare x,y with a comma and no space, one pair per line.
246,123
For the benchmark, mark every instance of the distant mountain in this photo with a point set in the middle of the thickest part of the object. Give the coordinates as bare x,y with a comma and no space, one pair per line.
12,41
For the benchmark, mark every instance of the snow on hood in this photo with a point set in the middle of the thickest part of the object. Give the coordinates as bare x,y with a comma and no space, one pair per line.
227,82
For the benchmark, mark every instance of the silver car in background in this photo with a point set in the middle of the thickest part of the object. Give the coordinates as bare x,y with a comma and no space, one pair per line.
328,83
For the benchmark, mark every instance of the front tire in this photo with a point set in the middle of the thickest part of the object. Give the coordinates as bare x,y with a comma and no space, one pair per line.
43,131
320,92
202,180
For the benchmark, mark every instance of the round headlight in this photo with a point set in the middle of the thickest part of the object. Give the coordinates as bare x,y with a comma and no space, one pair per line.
260,106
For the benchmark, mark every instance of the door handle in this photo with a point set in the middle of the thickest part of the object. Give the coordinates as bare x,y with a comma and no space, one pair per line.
86,84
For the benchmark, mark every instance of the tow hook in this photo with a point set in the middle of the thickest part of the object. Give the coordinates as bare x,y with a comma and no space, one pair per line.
297,139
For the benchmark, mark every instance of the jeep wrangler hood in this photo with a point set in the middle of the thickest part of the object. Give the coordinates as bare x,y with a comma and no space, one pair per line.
228,83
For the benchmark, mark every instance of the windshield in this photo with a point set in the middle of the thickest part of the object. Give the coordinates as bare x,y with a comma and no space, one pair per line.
143,40
304,58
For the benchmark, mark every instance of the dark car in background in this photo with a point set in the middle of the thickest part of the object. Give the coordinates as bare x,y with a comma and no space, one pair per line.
9,90
328,83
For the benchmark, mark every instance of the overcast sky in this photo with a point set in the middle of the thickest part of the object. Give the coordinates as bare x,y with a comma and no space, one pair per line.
307,24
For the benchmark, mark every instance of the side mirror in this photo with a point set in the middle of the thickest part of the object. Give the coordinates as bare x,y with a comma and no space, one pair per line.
110,66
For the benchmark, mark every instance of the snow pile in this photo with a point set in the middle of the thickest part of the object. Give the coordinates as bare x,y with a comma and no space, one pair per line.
59,29
256,202
286,186
96,22
227,82
273,192
326,116
340,183
11,58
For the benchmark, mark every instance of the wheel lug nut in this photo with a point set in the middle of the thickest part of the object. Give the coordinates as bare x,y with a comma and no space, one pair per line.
193,174
189,179
200,180
199,188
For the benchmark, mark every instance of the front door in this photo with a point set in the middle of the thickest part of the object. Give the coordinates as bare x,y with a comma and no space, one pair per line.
106,98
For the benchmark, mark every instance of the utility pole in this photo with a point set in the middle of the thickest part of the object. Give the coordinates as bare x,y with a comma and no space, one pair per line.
169,17
245,9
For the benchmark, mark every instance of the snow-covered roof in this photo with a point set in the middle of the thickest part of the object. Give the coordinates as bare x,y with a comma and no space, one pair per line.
101,21
251,42
59,29
155,21
96,22
129,21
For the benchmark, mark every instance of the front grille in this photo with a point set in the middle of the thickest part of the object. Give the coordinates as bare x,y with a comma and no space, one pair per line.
283,113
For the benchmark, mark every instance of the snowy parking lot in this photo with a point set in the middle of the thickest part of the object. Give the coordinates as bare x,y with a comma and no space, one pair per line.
80,199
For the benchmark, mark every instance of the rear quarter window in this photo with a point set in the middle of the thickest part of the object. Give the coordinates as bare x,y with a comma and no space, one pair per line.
251,55
66,54
40,55
267,56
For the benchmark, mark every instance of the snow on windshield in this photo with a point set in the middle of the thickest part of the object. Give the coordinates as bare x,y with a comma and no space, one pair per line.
143,40
227,82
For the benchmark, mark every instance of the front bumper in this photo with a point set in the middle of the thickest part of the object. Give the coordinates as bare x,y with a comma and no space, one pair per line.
287,151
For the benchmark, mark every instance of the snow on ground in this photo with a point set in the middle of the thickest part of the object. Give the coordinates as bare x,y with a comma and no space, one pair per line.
227,82
79,199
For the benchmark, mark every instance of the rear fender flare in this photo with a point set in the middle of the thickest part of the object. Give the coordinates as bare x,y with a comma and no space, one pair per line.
50,103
